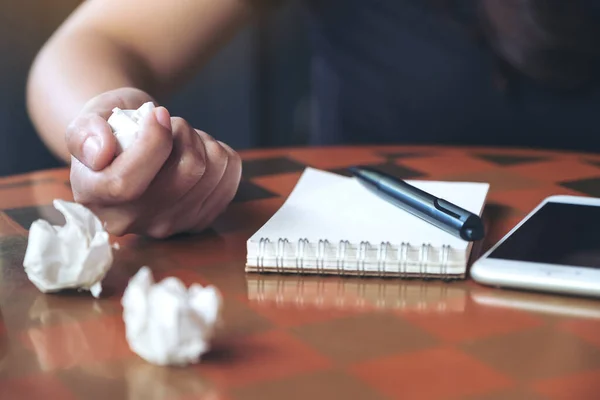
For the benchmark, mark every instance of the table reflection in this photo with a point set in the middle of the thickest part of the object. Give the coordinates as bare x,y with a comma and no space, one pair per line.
542,303
150,382
68,330
352,294
87,340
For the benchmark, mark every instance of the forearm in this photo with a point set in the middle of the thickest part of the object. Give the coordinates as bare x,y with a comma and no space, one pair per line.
154,46
71,70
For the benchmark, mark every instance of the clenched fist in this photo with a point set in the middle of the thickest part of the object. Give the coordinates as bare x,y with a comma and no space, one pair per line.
172,179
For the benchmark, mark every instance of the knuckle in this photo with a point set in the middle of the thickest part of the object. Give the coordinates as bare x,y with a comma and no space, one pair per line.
116,188
119,228
117,221
79,196
119,190
236,166
190,166
233,169
217,152
203,135
179,124
232,181
161,231
235,159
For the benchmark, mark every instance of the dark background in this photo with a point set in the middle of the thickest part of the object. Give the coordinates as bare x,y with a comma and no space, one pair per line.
255,93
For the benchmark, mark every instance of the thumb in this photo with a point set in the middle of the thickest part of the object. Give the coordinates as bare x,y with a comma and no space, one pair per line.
90,140
136,168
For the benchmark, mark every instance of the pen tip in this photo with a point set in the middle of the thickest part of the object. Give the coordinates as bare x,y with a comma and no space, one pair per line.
473,234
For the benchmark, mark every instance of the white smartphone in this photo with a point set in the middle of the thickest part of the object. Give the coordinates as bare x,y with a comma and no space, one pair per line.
555,248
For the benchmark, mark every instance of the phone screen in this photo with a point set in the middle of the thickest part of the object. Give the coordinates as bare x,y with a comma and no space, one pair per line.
558,233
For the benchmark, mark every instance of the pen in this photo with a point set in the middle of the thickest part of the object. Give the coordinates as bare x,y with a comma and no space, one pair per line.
438,212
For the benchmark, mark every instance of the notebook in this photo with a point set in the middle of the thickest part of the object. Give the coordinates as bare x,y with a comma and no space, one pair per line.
331,224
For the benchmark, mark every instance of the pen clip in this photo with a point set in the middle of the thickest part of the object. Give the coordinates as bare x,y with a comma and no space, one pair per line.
448,208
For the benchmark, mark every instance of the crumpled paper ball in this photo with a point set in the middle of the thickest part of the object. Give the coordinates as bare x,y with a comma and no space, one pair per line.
167,324
125,124
76,255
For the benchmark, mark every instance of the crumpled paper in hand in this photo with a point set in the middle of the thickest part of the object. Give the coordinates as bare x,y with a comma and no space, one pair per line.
74,256
167,324
125,124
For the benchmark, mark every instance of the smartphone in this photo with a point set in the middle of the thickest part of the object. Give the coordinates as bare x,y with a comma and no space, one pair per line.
555,248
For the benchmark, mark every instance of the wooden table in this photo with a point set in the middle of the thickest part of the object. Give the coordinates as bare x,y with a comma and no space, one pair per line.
289,337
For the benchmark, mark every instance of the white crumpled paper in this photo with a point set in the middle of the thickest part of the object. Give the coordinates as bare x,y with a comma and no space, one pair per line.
125,124
167,324
76,255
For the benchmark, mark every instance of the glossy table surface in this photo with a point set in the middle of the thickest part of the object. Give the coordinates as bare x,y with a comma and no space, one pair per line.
293,337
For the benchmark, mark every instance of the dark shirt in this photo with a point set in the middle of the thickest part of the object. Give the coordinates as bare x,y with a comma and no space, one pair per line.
397,71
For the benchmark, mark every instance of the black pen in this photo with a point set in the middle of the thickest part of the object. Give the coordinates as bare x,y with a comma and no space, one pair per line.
438,212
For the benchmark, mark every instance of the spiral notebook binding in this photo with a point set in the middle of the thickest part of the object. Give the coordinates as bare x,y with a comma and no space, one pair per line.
444,264
382,257
360,259
321,255
341,255
423,259
382,262
280,254
402,259
260,256
300,249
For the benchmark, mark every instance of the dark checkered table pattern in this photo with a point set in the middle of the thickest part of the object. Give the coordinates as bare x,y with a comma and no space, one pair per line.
292,337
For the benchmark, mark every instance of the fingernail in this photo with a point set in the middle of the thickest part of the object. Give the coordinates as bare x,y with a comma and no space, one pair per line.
163,117
91,147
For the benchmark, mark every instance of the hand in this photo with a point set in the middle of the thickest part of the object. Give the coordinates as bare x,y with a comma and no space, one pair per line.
172,179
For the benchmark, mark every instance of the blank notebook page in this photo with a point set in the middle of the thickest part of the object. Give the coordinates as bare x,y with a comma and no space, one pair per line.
328,206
